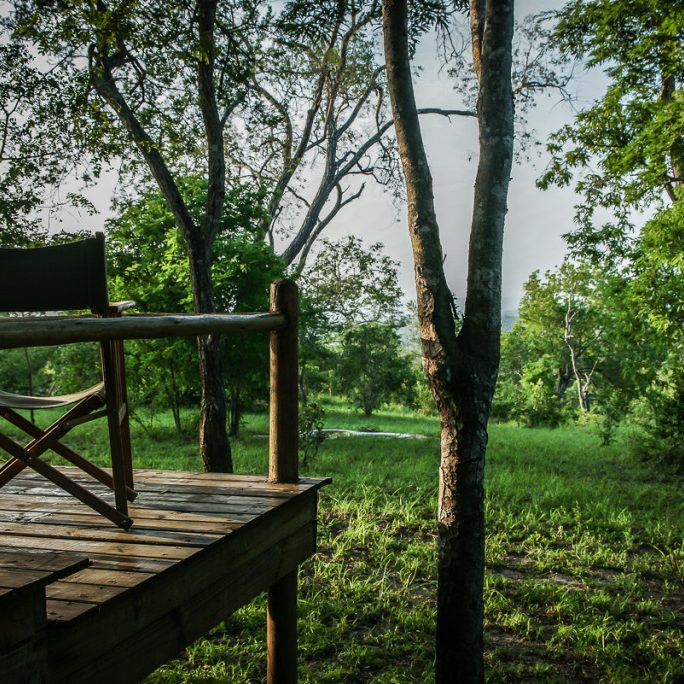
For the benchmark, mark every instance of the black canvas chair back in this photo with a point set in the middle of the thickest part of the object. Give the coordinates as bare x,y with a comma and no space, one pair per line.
56,278
59,278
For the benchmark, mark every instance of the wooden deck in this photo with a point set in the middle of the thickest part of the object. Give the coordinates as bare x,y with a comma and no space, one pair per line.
202,545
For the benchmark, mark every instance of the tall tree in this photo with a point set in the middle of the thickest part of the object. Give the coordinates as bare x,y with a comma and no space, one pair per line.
195,85
626,151
316,119
461,367
163,75
625,156
148,263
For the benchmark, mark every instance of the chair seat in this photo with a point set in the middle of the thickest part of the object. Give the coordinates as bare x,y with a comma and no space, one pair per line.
23,401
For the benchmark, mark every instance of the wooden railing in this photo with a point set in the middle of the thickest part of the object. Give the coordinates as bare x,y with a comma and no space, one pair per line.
281,322
44,331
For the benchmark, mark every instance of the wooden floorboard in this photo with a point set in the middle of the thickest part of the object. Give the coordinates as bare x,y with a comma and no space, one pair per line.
202,544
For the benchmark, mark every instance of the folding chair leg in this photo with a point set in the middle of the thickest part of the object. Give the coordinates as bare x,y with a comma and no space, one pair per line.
65,483
114,405
56,431
125,422
10,469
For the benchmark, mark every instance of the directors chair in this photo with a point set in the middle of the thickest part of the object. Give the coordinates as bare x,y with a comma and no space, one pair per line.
60,278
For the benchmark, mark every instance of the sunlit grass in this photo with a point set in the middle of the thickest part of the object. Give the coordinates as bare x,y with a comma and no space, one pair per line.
585,558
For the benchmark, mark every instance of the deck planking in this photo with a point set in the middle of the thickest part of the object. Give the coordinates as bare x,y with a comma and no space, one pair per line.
202,545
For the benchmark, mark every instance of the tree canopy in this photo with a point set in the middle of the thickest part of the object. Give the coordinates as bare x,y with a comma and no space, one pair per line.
625,153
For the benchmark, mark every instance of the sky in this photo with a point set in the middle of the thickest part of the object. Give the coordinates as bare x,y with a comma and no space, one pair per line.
536,219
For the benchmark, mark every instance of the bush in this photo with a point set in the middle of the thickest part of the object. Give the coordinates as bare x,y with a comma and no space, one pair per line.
537,402
311,435
660,415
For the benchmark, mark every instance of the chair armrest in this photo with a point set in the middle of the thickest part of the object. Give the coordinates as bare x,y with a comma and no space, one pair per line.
118,307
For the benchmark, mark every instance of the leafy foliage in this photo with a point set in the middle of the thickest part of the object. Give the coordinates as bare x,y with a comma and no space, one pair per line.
311,434
353,284
628,148
148,263
352,314
371,368
625,153
625,349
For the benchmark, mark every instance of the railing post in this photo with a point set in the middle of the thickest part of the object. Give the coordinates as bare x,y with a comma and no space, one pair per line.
281,623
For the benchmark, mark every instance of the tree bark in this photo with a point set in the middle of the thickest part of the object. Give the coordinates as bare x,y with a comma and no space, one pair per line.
174,400
214,445
462,368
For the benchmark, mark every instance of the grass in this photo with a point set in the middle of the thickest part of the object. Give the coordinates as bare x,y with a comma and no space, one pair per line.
585,558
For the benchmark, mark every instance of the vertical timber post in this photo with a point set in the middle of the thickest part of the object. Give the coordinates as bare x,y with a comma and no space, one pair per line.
281,622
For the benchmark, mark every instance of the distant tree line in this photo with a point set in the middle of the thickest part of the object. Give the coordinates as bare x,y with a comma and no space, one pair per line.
354,339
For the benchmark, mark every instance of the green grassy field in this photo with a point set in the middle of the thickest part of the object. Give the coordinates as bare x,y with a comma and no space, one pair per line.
585,558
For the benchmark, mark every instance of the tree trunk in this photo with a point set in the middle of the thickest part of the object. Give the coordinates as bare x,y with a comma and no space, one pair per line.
304,397
214,444
564,380
174,401
234,410
462,368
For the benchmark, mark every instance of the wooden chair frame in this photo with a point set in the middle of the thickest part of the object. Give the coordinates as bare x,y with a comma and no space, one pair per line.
70,276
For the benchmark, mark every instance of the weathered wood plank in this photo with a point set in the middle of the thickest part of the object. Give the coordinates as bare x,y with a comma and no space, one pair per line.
115,578
227,483
13,579
26,663
92,547
145,565
59,564
49,330
228,479
107,534
156,641
83,593
142,525
46,504
193,506
243,504
65,611
23,656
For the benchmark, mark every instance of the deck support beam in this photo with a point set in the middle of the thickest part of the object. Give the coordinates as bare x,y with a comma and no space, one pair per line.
281,621
281,630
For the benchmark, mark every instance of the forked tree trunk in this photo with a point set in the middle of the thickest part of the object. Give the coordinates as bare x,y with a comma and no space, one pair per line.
214,444
462,368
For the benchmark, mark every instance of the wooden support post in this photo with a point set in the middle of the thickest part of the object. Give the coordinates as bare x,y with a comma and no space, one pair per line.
284,428
281,623
281,631
114,403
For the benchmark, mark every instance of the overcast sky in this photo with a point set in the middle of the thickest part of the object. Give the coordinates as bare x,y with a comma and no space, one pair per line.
536,219
535,222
